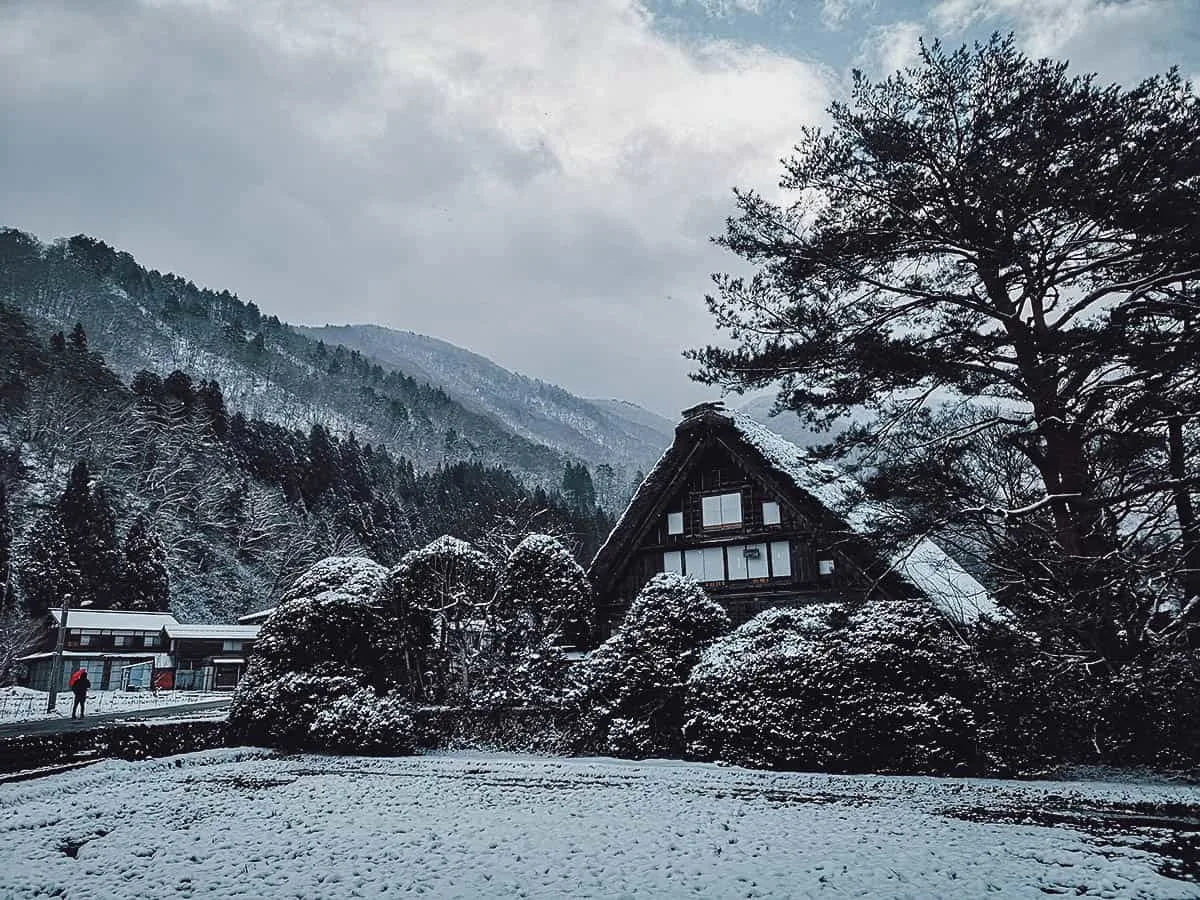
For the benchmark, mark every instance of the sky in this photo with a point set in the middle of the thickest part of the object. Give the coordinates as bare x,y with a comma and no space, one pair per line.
535,180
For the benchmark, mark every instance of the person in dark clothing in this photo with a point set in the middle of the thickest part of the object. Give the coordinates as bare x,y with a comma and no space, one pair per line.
80,686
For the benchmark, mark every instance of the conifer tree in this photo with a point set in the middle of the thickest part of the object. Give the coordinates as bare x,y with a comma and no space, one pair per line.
144,577
46,570
91,531
79,340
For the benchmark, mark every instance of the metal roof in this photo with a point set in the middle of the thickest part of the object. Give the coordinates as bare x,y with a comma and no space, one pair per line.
214,632
114,619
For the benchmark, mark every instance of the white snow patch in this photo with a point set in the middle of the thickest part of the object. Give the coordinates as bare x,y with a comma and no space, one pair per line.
238,824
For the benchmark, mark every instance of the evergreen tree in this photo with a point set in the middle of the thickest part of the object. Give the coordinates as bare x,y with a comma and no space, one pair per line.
91,532
977,226
577,487
58,342
79,340
144,576
6,536
46,569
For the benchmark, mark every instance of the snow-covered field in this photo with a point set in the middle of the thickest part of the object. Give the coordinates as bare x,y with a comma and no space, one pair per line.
18,704
243,823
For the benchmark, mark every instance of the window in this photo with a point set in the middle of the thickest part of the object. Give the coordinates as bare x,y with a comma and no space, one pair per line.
705,563
120,640
781,559
825,567
747,561
721,509
673,562
86,640
770,513
675,523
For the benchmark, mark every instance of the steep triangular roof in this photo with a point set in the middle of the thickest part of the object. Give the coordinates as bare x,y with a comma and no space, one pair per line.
921,564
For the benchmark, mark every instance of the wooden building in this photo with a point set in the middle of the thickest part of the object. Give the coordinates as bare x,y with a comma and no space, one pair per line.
760,523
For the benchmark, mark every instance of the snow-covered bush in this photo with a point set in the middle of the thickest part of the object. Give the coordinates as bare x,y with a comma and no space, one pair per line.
632,686
356,576
887,690
364,722
543,602
313,649
751,695
543,595
440,598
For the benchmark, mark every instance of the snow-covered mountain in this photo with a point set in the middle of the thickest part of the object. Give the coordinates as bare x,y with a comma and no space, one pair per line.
621,434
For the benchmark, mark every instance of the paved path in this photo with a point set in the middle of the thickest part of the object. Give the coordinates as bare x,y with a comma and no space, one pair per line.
103,720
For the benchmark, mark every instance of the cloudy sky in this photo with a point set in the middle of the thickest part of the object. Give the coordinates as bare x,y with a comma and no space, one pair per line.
536,180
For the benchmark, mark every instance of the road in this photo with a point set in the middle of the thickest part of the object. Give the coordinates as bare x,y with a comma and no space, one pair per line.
104,720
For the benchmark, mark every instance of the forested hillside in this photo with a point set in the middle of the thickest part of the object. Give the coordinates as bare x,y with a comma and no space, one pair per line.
143,319
107,485
620,435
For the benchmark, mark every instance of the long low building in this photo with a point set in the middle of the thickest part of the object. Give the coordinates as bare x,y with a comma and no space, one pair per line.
127,650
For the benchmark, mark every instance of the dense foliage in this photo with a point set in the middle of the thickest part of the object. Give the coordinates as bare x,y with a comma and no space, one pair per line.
631,693
161,494
887,688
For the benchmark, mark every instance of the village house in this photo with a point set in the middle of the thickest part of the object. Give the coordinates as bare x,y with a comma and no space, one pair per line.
761,523
122,650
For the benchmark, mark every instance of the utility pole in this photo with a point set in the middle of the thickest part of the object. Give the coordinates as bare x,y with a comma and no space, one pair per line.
55,669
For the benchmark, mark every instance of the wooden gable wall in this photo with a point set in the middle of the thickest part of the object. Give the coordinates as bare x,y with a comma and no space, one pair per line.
714,468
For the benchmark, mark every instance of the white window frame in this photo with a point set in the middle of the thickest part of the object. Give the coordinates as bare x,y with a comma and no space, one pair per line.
745,568
717,510
673,561
675,523
770,513
705,564
826,567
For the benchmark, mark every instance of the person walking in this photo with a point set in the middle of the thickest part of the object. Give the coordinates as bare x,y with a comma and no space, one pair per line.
79,685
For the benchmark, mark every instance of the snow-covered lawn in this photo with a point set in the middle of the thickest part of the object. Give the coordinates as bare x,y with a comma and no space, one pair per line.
18,704
243,823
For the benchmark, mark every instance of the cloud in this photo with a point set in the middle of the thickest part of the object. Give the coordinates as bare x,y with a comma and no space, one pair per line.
534,183
836,13
888,48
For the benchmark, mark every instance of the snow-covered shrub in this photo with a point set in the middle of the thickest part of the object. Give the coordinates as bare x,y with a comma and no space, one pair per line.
751,695
356,576
543,595
440,598
313,649
631,688
1148,713
277,708
888,690
543,602
363,722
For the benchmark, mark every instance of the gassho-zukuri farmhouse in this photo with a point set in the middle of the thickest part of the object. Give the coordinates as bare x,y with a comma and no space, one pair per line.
760,523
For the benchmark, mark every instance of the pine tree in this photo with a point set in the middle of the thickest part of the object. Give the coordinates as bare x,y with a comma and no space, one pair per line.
45,570
91,537
6,534
58,342
145,584
79,340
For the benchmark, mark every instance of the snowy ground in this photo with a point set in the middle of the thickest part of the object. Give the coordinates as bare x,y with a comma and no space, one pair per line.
242,823
18,704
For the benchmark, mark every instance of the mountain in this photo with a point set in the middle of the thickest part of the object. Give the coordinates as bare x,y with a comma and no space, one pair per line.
103,478
787,424
139,318
614,432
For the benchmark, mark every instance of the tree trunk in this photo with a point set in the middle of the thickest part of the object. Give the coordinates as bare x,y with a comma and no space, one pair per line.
1189,529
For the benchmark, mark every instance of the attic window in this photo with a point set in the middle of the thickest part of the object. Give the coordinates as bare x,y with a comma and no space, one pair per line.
675,523
825,567
770,513
721,509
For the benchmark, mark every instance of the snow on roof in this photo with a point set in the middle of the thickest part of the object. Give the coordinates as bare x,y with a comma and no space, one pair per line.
214,632
256,617
923,564
114,620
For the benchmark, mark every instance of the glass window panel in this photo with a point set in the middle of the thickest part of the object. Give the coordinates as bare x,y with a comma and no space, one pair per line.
756,563
673,562
675,523
770,513
737,562
714,563
693,563
710,509
731,509
781,559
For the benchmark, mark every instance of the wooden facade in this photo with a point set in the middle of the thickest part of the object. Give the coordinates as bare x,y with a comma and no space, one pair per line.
716,509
